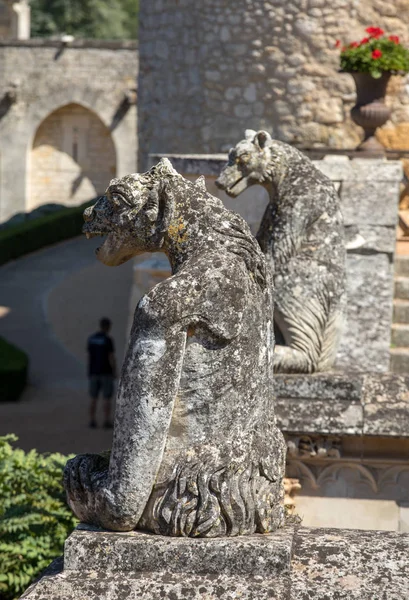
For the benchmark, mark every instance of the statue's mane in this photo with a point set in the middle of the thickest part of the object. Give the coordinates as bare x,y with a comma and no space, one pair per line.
234,234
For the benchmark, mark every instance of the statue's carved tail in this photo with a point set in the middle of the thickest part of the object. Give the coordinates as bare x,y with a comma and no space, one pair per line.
311,329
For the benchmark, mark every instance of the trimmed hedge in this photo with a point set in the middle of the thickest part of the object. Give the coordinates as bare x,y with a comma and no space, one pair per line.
13,371
17,240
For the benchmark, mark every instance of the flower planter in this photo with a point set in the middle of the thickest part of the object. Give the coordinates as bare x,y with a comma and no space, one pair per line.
370,111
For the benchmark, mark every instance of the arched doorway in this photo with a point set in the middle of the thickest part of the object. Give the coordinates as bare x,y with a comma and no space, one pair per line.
72,158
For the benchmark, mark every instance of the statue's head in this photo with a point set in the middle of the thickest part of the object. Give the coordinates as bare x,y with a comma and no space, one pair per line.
134,215
248,163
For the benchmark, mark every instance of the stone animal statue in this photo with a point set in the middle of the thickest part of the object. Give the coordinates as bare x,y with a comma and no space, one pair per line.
302,234
196,451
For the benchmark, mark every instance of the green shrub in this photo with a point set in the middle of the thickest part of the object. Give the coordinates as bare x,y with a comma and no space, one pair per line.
34,517
13,371
32,235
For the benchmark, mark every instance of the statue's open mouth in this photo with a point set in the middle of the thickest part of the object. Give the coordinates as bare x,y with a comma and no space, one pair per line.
91,234
91,230
233,185
236,188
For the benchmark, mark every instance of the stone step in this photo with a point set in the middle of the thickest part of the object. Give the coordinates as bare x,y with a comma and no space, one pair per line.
199,569
400,335
401,288
401,311
166,585
402,265
400,361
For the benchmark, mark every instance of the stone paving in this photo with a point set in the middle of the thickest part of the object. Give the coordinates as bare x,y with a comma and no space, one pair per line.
51,301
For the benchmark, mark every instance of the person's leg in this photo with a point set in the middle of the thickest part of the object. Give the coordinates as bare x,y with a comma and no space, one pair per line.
108,390
94,387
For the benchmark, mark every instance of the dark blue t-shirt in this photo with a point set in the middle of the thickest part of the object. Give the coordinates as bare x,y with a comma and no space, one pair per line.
100,346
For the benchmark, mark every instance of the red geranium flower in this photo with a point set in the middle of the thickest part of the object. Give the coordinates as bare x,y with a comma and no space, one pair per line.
353,45
364,41
394,38
376,54
374,32
337,43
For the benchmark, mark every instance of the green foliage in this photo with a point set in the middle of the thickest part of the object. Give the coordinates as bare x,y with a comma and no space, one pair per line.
13,371
34,517
32,235
100,19
375,55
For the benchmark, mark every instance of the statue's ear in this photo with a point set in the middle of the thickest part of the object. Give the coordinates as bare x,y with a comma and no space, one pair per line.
152,205
159,208
166,206
201,183
262,139
250,134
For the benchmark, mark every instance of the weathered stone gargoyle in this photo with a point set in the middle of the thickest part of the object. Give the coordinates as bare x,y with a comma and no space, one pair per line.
302,234
196,451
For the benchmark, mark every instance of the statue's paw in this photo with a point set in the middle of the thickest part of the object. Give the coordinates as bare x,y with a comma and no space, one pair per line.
84,477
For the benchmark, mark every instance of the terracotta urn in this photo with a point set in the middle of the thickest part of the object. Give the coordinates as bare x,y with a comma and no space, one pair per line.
370,110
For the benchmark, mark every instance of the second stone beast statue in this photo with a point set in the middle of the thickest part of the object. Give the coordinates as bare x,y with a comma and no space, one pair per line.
302,234
196,451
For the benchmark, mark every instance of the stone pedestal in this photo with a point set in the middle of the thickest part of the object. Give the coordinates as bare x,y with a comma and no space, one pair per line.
291,564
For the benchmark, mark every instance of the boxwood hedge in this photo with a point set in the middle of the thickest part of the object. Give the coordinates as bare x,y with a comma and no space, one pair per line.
13,371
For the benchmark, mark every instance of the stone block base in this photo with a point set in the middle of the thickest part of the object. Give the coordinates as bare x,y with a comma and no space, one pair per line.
291,564
340,403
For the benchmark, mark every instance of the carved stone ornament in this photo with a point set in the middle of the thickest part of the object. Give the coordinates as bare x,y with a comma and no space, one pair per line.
196,451
310,446
352,478
302,235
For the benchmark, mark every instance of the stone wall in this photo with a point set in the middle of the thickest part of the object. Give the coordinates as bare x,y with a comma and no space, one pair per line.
211,69
369,191
39,77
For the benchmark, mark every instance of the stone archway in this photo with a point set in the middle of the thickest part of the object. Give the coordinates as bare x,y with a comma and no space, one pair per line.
72,158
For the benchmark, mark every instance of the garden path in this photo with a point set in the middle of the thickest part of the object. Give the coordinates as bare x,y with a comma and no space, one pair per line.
50,301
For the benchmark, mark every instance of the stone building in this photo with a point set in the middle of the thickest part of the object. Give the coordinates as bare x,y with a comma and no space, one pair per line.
209,70
67,117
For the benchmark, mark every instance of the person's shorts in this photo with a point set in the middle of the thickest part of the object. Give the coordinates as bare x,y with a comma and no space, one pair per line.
101,382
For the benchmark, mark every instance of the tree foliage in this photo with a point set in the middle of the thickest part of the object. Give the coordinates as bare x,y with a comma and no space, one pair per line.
100,19
34,517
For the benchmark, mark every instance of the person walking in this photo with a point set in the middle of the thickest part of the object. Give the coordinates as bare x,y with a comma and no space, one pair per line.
101,372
